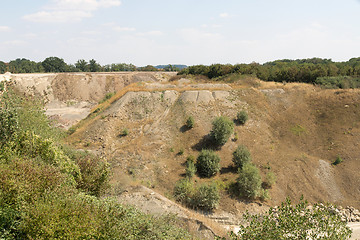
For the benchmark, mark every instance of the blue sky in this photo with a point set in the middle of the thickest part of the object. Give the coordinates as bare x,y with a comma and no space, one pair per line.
179,32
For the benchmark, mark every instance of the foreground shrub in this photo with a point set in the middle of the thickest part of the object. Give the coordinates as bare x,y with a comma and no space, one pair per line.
222,128
241,156
249,181
206,197
242,117
295,222
207,163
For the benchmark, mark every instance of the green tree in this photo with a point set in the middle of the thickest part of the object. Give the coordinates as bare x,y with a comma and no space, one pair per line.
94,66
190,122
82,65
54,64
222,128
298,221
207,163
241,156
242,117
3,67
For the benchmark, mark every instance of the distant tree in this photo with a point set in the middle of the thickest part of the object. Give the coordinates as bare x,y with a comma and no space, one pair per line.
149,68
22,65
2,67
54,64
94,66
82,65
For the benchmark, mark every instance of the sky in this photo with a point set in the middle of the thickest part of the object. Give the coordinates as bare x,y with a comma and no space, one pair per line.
188,32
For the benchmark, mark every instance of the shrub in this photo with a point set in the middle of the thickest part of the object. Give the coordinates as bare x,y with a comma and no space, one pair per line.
222,128
206,197
338,161
183,190
190,122
124,132
270,180
241,156
242,117
207,163
294,222
249,181
190,167
181,152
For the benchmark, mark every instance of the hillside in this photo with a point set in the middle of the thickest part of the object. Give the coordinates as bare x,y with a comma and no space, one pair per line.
296,130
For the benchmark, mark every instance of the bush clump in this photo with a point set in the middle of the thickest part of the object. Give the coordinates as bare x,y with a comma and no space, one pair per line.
190,122
249,181
270,180
207,163
222,128
206,197
241,156
242,117
337,161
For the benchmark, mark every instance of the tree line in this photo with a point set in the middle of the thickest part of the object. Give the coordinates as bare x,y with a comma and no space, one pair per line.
55,64
314,70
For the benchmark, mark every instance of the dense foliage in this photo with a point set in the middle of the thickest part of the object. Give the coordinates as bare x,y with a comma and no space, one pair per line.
207,163
314,70
249,181
298,221
241,156
222,128
55,64
204,197
49,191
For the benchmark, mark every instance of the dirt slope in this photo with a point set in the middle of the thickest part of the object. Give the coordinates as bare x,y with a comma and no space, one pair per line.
297,130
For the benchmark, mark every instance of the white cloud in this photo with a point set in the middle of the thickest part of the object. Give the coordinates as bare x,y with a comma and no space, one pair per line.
124,29
70,10
150,33
224,15
4,28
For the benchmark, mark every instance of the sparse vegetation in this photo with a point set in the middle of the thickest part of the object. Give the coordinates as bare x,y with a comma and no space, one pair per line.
242,117
270,180
241,156
222,128
107,97
207,163
124,132
295,222
180,152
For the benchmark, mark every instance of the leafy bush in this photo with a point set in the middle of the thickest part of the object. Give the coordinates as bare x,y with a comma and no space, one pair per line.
206,197
222,128
295,222
183,191
242,117
338,161
190,122
207,163
249,181
190,167
241,156
124,132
